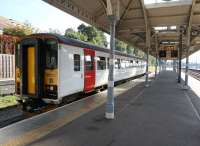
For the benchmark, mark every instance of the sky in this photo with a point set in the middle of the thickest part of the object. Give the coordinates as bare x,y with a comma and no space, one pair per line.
163,1
44,16
39,14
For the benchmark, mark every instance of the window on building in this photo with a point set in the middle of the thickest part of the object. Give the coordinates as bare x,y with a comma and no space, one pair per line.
101,63
77,63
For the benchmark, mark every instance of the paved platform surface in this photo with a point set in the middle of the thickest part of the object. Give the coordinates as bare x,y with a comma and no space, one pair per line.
26,131
161,115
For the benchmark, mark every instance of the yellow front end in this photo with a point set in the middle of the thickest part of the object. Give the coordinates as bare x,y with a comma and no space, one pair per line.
51,83
17,80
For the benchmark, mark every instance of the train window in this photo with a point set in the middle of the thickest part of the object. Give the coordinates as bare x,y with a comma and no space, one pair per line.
136,63
89,62
117,64
131,63
127,64
123,64
77,63
101,63
108,64
51,54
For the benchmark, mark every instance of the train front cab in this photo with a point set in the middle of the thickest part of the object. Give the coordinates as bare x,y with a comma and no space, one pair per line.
36,69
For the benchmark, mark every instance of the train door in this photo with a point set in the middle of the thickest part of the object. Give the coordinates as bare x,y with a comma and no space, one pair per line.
32,67
31,70
89,70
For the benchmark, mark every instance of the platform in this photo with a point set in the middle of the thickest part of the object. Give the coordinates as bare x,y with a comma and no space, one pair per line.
7,86
160,115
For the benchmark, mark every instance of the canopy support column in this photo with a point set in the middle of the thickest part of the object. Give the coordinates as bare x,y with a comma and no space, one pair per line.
187,58
110,93
148,45
186,67
113,16
180,55
156,65
188,41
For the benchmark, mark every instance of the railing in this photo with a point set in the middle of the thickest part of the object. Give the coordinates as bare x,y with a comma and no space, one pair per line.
7,66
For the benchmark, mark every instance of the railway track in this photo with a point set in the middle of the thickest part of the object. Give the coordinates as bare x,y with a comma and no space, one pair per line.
195,73
50,107
14,114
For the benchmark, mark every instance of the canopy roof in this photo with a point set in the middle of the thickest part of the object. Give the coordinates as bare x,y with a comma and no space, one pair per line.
165,17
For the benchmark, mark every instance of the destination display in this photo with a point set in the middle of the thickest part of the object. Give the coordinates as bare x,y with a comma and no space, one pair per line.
168,52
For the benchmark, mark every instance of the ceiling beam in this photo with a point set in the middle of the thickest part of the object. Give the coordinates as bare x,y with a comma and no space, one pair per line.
147,28
101,10
124,12
70,7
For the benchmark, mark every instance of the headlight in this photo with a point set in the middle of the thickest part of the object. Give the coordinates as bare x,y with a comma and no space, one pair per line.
51,88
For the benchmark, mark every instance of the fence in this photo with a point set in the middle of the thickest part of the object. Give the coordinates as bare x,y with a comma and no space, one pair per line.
7,66
7,59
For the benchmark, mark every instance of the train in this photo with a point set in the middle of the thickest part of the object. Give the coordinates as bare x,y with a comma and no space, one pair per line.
50,67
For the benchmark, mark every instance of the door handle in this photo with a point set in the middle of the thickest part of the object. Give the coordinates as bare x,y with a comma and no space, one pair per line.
81,76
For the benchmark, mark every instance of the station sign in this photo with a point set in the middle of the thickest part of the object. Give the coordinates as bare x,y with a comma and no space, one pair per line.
168,52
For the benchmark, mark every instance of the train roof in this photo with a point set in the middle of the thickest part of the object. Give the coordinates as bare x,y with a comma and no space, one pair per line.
77,43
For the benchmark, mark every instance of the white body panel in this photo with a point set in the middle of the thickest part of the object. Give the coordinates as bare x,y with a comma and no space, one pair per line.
101,75
70,81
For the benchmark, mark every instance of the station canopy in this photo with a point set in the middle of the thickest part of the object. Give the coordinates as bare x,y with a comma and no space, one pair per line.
164,17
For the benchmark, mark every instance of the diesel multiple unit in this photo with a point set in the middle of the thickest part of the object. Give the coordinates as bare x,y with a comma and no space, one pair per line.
50,67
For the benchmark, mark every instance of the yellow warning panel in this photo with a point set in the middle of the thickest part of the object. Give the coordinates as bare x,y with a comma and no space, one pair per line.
31,70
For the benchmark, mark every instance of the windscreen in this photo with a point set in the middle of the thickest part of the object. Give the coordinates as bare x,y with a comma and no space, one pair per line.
51,47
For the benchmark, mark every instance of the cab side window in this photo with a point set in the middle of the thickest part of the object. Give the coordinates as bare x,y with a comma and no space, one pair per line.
101,63
77,63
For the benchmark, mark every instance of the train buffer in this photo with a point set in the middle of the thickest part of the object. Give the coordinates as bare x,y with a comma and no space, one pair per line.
161,115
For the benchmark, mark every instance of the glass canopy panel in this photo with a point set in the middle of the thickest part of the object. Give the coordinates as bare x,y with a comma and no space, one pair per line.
163,3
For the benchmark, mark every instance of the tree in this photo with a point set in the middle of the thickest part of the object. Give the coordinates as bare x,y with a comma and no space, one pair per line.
75,35
93,35
135,52
129,49
152,60
22,30
141,54
121,46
